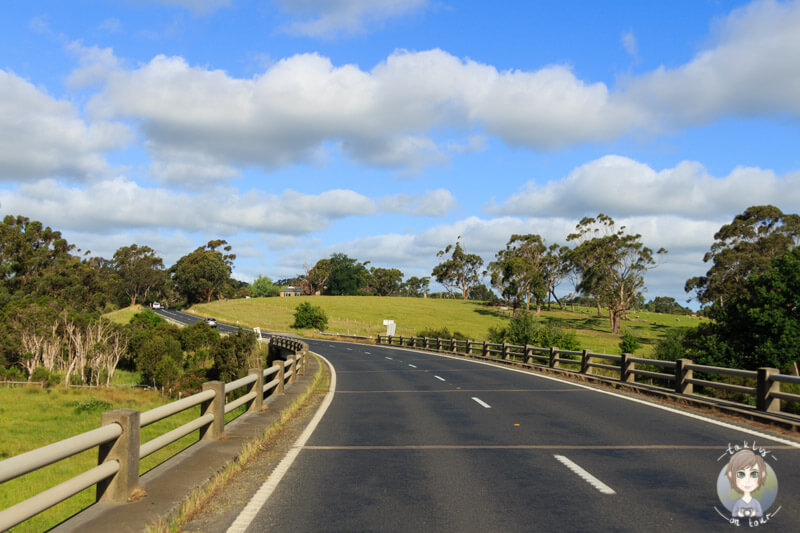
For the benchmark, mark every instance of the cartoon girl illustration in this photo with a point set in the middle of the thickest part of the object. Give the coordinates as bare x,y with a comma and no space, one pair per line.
746,473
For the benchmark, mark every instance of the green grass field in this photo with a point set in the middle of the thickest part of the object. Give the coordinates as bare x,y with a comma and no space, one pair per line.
364,315
32,417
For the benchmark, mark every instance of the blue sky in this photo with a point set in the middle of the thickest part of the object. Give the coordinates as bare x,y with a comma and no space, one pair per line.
385,129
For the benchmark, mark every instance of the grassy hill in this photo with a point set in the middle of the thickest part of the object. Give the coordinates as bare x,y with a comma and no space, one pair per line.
364,315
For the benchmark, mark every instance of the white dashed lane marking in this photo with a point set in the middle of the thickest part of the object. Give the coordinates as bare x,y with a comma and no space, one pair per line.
482,403
586,476
440,378
412,366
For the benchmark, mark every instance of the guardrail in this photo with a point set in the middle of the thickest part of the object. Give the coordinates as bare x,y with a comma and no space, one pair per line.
766,388
118,437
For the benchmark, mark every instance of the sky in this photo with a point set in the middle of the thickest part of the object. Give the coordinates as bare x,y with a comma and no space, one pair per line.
387,129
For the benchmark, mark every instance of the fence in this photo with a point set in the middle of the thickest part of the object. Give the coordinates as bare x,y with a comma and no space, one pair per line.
679,374
120,449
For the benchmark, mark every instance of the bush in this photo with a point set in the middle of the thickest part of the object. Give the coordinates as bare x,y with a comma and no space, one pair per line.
310,316
629,344
671,348
523,329
13,373
441,333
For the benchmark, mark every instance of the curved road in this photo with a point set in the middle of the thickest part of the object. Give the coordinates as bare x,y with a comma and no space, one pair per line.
414,441
419,442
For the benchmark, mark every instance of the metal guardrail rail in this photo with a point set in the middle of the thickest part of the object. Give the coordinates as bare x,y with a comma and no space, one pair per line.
120,451
766,389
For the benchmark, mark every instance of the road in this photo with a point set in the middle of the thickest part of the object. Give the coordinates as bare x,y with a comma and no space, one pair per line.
414,441
419,442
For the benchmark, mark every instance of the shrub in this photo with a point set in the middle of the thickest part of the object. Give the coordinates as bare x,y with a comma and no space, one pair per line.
441,333
524,329
310,316
91,405
629,344
40,373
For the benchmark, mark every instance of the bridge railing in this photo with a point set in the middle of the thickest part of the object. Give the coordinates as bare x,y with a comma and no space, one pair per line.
764,384
118,437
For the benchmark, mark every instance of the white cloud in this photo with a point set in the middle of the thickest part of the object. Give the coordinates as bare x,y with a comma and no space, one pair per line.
620,186
195,116
331,17
432,203
41,136
117,204
750,70
630,44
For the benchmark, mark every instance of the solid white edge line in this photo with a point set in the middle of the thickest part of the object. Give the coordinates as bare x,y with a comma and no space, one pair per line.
482,403
440,378
261,496
584,475
720,423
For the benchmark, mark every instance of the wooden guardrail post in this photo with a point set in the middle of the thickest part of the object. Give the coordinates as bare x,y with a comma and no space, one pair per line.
528,358
682,374
124,450
585,359
554,358
765,386
258,388
506,355
293,377
485,351
280,389
426,343
215,406
453,346
626,369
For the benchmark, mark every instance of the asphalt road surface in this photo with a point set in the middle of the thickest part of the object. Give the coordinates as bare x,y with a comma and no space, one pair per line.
419,442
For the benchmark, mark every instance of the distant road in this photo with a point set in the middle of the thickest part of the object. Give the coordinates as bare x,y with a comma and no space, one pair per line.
187,319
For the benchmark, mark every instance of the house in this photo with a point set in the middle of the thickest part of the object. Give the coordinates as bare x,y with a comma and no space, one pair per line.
291,291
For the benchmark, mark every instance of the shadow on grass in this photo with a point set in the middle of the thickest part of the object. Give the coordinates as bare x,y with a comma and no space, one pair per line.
493,312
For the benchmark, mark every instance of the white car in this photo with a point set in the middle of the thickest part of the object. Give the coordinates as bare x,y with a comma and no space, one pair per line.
212,322
157,305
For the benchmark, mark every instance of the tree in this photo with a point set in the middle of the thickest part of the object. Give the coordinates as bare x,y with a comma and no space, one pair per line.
667,305
316,279
385,281
744,247
263,287
612,265
205,273
416,287
461,271
517,270
138,271
36,261
761,323
346,276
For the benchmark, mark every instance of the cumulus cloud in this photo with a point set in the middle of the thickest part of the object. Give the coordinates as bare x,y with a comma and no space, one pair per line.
327,18
616,184
121,203
41,136
750,69
195,116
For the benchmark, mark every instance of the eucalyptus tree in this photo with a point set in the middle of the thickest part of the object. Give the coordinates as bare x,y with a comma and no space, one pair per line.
518,270
461,271
205,273
612,264
138,271
744,247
